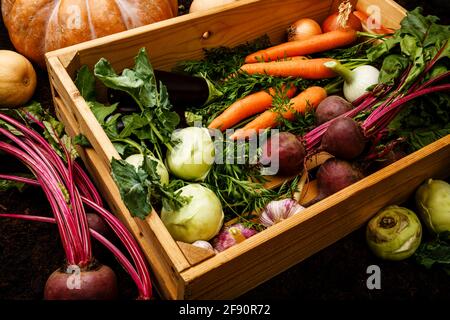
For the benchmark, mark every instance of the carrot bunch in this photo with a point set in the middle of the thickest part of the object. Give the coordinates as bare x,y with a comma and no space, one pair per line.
310,97
284,60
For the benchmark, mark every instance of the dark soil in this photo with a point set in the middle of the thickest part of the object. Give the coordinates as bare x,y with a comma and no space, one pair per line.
30,252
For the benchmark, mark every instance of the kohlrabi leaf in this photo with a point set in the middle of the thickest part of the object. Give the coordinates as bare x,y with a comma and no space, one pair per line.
133,187
157,121
435,253
101,111
85,83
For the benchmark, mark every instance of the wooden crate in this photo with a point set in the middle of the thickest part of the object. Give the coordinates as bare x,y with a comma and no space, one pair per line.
180,270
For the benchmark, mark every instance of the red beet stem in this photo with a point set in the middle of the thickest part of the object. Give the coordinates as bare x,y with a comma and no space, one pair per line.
123,260
123,234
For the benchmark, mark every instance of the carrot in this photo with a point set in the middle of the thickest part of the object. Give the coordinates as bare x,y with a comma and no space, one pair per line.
311,97
318,43
246,107
364,18
307,69
292,58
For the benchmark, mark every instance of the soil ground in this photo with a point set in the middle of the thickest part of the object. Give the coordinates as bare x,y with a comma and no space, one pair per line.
30,252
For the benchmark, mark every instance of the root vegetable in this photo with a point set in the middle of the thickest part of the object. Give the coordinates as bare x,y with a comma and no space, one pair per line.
99,283
330,108
200,219
193,154
394,233
331,23
69,190
356,81
231,236
97,223
333,176
314,44
433,203
287,149
303,29
344,139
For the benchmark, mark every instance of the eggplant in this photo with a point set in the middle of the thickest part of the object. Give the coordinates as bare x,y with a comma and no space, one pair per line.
184,91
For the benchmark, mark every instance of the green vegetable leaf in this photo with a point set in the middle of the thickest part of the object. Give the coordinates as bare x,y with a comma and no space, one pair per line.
393,66
131,123
81,140
220,62
101,111
424,121
85,83
6,185
35,110
435,253
128,81
417,25
54,134
157,121
383,48
409,46
133,188
120,147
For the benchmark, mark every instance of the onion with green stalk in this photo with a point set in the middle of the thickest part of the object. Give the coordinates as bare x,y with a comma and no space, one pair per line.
394,233
356,81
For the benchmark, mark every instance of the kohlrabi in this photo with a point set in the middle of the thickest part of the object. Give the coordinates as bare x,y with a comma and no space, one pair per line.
433,204
200,219
394,233
192,156
137,159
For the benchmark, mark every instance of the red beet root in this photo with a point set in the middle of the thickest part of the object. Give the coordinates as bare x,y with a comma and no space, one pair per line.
96,284
291,153
96,223
344,139
334,175
330,108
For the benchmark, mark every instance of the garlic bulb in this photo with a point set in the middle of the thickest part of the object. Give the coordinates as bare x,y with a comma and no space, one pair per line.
277,211
232,235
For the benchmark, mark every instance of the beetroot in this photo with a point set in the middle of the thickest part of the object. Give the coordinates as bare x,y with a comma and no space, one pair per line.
334,175
291,153
97,223
344,139
391,157
330,108
99,283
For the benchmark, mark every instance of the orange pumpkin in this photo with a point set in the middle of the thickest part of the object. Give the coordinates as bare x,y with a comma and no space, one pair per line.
38,26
